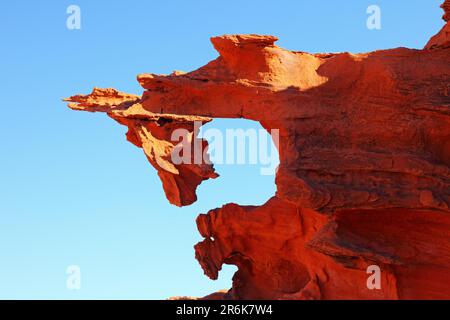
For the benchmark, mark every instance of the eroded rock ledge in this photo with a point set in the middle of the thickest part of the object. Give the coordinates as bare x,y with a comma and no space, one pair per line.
364,175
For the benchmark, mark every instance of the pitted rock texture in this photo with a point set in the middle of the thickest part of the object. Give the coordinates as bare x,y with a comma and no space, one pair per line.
364,174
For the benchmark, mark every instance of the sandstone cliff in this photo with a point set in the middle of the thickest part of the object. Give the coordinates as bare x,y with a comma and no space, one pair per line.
364,174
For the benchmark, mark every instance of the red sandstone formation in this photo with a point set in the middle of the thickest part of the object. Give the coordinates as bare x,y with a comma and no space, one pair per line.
442,39
364,175
152,132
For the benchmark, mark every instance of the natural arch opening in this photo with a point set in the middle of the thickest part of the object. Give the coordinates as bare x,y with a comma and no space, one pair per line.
246,158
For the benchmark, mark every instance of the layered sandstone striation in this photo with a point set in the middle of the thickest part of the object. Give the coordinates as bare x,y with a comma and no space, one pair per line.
364,174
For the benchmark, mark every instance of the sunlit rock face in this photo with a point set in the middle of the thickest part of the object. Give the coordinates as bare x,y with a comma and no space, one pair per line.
364,174
442,39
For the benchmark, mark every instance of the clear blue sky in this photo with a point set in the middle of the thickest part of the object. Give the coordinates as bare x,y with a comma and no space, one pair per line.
73,191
